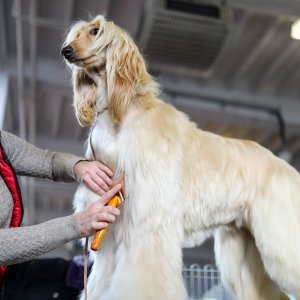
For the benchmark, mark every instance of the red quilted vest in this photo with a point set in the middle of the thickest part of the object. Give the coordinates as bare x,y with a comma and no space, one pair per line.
10,178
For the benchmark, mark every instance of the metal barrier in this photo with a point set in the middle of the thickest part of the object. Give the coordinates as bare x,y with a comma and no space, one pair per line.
204,283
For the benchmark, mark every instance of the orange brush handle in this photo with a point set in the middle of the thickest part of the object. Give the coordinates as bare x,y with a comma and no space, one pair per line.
115,202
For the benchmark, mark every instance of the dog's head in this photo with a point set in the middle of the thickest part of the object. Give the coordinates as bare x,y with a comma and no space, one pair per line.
101,46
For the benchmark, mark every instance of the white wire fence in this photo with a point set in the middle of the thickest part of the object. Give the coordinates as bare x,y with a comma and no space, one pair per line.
204,283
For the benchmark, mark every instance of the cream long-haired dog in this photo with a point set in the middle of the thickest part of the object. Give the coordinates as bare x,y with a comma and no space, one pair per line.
182,184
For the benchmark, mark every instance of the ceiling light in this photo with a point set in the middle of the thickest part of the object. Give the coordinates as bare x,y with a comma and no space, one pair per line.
295,30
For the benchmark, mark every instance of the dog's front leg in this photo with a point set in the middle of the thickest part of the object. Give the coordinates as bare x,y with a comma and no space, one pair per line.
102,269
150,271
149,239
104,260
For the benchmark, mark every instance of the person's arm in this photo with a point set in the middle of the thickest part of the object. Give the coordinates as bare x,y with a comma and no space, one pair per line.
29,160
25,243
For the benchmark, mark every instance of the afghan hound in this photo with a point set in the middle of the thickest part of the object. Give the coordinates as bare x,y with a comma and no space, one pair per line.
183,184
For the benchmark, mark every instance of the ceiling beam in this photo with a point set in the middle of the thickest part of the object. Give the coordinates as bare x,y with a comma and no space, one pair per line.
290,8
277,64
259,48
289,108
223,60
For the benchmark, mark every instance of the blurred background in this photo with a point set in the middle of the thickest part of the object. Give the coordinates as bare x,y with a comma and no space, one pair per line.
231,65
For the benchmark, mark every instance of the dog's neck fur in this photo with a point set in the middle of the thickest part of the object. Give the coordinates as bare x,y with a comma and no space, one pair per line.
104,143
143,96
98,75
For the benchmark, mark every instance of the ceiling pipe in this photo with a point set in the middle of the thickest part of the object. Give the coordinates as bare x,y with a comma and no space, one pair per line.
32,105
32,97
21,99
3,36
274,111
20,67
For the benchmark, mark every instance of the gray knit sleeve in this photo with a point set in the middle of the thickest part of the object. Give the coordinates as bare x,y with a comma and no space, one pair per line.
29,160
25,243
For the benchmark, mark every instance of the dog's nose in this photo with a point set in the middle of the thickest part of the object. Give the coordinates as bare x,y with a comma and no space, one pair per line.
67,52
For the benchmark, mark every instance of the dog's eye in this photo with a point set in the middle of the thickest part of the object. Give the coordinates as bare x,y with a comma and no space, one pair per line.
94,31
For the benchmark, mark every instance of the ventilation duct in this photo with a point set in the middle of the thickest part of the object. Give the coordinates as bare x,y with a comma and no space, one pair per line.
183,36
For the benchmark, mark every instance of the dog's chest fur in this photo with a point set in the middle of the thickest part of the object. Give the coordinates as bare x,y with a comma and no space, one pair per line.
103,141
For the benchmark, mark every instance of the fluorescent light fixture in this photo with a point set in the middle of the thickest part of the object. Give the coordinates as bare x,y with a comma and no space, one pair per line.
295,30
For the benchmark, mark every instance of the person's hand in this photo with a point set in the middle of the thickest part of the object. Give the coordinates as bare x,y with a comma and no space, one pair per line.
97,216
94,175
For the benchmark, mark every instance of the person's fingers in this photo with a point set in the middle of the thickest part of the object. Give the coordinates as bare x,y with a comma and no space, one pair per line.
102,176
105,169
120,179
109,195
100,183
100,225
93,186
111,210
106,217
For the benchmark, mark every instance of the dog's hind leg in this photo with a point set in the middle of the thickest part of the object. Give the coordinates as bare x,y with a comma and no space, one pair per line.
241,267
275,226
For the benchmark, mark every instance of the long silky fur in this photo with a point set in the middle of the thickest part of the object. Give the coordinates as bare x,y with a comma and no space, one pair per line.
183,184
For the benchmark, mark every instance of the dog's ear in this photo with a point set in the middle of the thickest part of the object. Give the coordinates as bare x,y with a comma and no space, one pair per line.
85,90
125,69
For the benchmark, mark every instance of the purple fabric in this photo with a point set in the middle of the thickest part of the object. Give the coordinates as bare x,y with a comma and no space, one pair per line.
75,273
